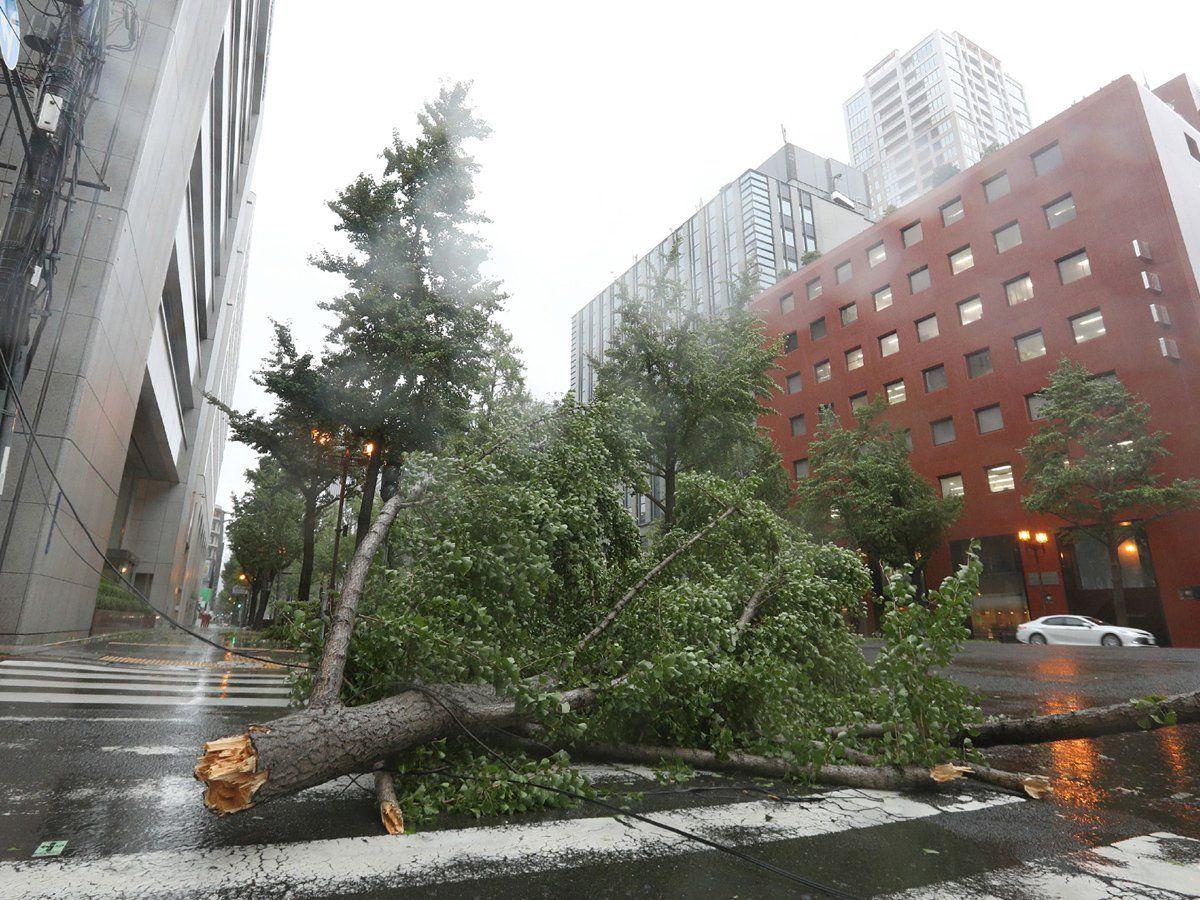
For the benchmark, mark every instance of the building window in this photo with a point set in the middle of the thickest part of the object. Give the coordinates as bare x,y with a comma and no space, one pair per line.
927,328
889,344
961,260
1030,346
858,401
823,371
1000,478
895,392
849,313
854,359
989,419
1087,326
911,235
795,384
800,468
918,280
951,485
882,297
1035,405
942,431
1047,159
813,289
816,329
995,188
844,272
787,303
876,254
934,378
790,342
1007,237
1018,290
1060,212
952,211
979,363
799,427
908,439
1073,267
970,310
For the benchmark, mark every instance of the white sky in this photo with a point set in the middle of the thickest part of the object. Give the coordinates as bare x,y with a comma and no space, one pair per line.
612,122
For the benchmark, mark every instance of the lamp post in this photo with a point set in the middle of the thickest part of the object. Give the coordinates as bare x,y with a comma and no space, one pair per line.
368,450
1037,541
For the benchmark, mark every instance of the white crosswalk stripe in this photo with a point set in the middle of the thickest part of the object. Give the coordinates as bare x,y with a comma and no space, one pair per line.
67,682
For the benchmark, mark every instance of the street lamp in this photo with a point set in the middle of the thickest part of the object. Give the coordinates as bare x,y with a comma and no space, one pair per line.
1037,541
366,452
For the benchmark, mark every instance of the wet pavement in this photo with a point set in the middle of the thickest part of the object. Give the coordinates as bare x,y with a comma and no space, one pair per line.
112,777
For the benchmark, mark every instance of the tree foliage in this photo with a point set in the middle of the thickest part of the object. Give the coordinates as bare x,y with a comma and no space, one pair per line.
863,490
1094,464
699,384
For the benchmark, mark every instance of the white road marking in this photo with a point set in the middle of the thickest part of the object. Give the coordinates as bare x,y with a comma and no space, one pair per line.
1156,866
143,670
97,719
199,687
147,677
168,791
319,868
128,700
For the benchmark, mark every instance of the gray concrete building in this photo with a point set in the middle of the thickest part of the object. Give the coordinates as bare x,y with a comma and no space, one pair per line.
764,221
942,104
144,318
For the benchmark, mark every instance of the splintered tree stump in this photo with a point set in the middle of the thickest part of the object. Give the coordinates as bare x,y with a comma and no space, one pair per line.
314,745
389,808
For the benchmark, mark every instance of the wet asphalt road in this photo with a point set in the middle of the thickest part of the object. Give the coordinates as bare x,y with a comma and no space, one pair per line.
115,782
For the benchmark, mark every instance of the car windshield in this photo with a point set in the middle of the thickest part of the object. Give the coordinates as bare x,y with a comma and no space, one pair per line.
1093,621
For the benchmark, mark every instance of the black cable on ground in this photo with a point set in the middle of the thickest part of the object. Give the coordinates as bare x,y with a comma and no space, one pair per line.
32,436
795,877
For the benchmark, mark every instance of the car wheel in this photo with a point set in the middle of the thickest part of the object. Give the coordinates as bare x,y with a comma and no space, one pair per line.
1037,639
1110,640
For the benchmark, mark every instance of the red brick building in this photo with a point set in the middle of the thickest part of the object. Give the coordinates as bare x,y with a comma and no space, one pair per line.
1079,239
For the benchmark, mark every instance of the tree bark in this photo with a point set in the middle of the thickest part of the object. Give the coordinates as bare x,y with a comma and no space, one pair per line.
670,479
327,683
1113,546
308,535
322,742
1085,723
370,480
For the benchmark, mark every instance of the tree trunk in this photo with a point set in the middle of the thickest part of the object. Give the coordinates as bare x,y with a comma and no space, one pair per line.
259,607
308,534
670,476
370,479
1113,546
323,742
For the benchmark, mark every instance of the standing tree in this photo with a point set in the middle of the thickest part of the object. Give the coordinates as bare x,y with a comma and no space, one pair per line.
1092,464
699,385
863,490
264,533
299,436
413,333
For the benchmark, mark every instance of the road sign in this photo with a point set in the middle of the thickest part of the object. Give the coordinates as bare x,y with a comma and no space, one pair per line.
239,590
10,32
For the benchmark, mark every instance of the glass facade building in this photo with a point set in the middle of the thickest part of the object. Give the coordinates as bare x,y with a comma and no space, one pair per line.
924,114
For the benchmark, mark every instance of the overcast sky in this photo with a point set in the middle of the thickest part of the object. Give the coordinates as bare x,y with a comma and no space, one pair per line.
612,122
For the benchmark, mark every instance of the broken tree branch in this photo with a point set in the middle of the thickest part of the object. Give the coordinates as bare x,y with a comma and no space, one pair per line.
389,808
327,683
645,579
1146,715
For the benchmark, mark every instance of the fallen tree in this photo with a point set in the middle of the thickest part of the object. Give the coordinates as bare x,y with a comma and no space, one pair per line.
526,600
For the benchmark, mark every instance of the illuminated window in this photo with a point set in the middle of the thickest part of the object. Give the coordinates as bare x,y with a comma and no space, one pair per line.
882,297
1018,290
1073,267
854,359
1060,212
961,260
951,485
823,371
1030,346
895,392
970,310
1087,326
1000,478
889,344
876,254
952,211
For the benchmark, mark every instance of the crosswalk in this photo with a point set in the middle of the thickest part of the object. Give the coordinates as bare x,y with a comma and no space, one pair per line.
81,683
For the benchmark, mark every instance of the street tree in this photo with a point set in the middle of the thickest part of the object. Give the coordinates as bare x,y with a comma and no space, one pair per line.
699,384
264,532
862,489
1094,464
299,435
413,347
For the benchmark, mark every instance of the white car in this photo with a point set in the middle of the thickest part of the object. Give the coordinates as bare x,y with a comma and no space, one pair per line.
1081,630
